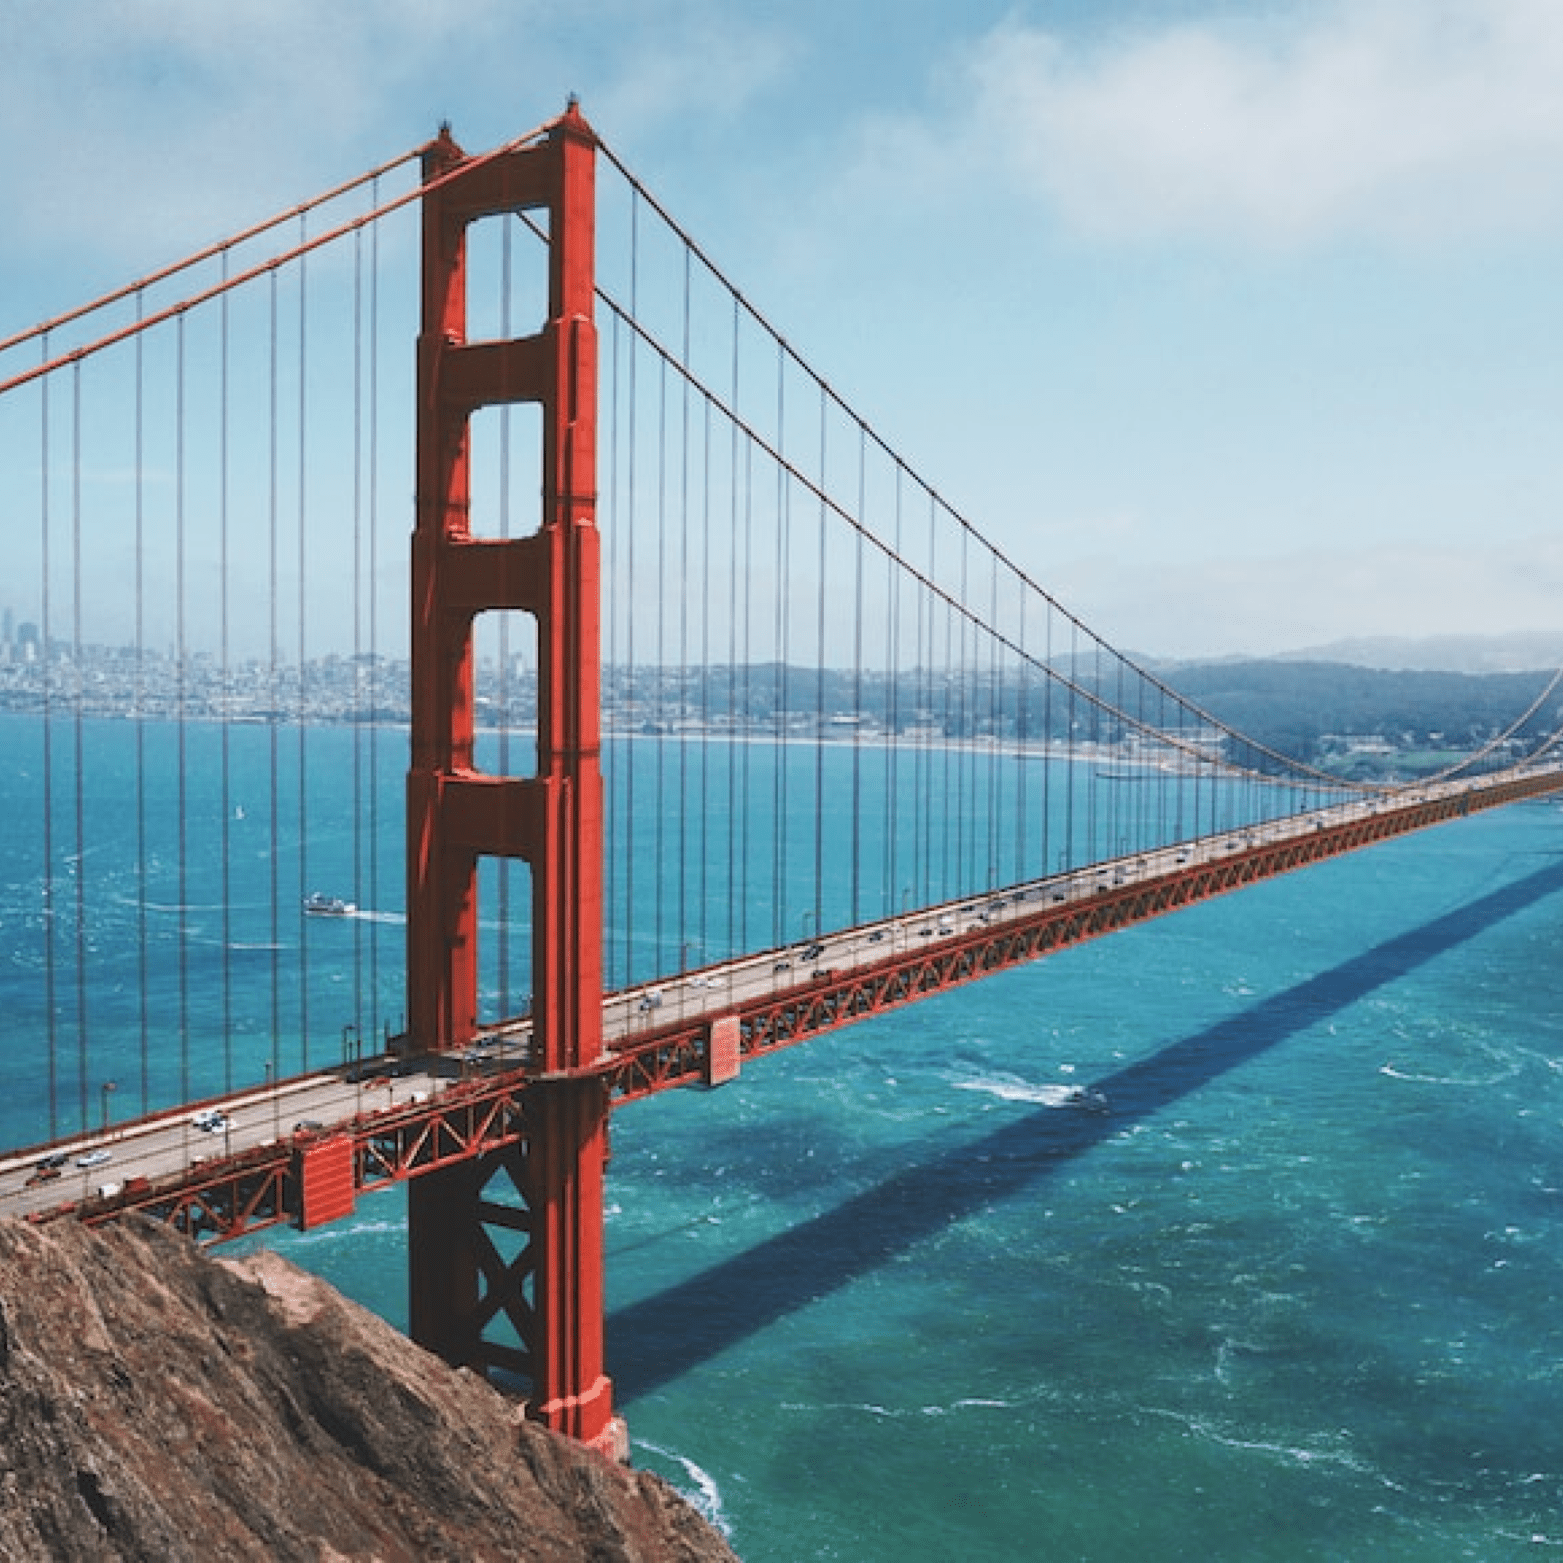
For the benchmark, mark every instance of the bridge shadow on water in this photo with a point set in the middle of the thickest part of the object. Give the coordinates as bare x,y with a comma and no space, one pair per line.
656,1340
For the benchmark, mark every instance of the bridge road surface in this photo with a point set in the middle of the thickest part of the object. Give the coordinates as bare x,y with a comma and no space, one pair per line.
172,1142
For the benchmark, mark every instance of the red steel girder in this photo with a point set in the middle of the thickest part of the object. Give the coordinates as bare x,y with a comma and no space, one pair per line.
217,1200
677,1054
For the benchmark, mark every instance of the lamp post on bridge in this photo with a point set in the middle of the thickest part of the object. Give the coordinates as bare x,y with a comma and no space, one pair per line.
353,1057
109,1088
271,1071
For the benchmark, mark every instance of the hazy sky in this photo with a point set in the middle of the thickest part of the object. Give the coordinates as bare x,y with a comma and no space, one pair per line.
1239,325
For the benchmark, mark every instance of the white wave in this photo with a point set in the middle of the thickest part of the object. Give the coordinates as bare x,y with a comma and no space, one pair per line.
1294,1454
893,1414
1009,1088
343,1231
706,1497
1467,1082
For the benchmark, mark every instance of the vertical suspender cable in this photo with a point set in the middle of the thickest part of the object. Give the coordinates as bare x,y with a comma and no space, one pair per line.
1093,812
142,887
660,680
683,633
79,757
224,649
359,717
374,615
275,833
995,704
1022,744
303,662
894,900
817,896
46,653
613,743
1069,747
737,875
857,682
706,610
746,884
921,817
180,705
948,803
960,752
779,850
1048,866
628,524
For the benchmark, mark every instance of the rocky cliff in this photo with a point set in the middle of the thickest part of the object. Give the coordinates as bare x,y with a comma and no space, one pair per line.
159,1404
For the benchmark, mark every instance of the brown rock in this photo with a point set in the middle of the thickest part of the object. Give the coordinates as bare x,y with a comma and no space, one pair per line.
158,1404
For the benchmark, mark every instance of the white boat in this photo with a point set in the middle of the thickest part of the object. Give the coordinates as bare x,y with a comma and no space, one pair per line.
318,905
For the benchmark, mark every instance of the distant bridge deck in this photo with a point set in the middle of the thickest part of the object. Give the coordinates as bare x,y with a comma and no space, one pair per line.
396,1116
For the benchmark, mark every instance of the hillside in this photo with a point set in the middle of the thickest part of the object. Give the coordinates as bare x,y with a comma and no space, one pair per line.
158,1405
1293,706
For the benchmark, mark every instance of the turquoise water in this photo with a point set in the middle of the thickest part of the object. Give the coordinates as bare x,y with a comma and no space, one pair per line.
1296,1297
890,1297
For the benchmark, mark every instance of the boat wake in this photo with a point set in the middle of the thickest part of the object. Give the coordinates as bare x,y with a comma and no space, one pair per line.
1009,1088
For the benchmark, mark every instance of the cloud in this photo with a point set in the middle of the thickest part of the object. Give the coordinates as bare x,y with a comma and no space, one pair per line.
1402,119
145,126
710,67
140,128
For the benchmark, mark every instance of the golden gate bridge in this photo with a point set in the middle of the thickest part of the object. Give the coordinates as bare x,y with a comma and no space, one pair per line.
726,730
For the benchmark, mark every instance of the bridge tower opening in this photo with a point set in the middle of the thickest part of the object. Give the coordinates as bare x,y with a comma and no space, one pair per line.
530,1253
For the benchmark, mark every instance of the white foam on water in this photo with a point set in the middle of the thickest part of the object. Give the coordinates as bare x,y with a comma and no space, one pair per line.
1467,1082
1293,1454
1010,1088
706,1496
346,1231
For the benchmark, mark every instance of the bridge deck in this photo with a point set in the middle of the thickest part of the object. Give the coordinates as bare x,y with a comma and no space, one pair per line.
233,1165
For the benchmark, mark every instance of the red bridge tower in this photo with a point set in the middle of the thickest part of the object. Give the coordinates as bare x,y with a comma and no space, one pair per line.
549,1221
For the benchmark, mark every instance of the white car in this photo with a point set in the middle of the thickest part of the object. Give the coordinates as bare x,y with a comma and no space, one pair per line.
94,1158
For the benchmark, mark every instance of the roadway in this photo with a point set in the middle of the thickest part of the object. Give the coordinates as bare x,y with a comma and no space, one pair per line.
174,1146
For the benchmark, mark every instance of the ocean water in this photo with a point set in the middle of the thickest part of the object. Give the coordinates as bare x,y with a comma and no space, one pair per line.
891,1296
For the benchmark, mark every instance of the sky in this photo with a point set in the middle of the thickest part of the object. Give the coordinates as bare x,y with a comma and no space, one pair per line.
1238,325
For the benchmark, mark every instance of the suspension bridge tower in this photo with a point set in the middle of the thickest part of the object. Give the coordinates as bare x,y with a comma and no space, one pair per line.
515,1235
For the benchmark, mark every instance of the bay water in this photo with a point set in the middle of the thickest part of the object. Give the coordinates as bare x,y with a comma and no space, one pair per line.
895,1295
892,1296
